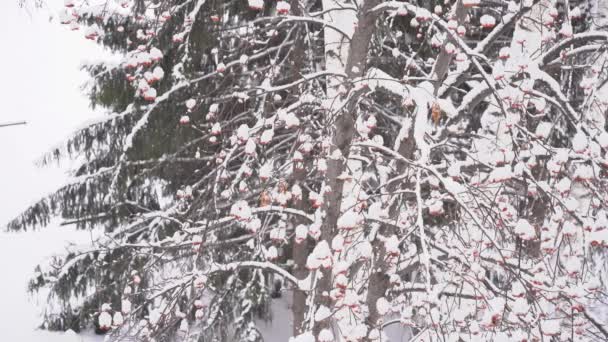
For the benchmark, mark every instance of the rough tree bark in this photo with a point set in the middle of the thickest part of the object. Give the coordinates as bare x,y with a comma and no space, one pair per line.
354,53
300,250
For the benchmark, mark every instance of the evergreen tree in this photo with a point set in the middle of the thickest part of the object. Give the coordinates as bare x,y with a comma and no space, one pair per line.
435,164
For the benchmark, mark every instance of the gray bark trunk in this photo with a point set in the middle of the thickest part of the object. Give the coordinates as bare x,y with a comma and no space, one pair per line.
344,130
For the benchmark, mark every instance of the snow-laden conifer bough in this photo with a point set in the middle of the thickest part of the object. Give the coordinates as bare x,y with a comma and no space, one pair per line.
439,171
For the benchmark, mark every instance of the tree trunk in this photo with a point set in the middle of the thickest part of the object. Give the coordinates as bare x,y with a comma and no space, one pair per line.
343,128
299,250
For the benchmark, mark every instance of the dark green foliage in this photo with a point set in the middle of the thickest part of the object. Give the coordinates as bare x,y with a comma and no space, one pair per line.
137,158
111,90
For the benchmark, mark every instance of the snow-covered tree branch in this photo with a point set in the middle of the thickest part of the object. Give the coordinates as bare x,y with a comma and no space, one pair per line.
436,166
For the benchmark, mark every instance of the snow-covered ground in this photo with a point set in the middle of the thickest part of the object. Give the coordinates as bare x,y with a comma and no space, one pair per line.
41,80
280,327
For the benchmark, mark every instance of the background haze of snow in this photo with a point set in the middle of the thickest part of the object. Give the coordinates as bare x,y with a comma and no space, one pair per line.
41,84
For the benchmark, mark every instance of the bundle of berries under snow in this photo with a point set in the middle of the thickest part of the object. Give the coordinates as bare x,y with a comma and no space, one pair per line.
354,170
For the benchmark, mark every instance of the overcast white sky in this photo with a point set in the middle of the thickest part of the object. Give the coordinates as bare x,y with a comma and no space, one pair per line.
40,84
41,80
